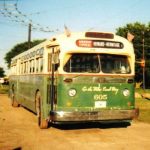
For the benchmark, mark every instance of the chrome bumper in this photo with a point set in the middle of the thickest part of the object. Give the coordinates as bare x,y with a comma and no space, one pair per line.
102,115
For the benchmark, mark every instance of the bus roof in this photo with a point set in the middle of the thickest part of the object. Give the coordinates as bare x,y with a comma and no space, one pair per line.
83,40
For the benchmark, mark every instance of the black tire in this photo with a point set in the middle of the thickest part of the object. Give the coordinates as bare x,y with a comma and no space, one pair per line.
42,123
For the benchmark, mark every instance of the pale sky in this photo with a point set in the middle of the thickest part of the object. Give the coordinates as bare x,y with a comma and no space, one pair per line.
77,15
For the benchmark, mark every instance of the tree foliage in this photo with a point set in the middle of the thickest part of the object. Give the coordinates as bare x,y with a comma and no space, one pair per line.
2,72
141,34
19,48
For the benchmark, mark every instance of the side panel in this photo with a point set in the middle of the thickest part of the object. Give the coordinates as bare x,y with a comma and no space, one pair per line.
25,88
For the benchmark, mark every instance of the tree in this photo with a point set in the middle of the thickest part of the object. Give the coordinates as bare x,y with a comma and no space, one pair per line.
141,34
2,72
19,48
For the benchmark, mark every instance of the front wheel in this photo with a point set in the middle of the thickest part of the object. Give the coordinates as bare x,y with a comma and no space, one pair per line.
43,124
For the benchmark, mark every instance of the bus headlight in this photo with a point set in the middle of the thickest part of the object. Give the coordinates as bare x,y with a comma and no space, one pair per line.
72,92
126,92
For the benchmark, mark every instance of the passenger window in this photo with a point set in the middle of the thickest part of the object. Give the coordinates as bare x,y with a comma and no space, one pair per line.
37,64
33,65
41,64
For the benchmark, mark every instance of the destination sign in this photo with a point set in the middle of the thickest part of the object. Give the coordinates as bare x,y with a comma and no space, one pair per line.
99,44
30,55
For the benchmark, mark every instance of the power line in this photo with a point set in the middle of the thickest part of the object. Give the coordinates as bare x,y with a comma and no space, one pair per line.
11,11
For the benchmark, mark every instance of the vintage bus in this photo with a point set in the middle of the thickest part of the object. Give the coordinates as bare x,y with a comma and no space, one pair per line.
78,77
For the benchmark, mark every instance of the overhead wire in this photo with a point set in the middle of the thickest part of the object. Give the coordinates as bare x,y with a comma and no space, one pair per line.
11,11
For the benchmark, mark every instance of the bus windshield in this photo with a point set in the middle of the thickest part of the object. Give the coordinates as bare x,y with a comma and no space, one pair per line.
95,63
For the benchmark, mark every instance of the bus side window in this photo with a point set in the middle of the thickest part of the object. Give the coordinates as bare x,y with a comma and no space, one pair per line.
24,68
27,67
53,59
33,65
14,69
21,68
37,65
41,64
30,65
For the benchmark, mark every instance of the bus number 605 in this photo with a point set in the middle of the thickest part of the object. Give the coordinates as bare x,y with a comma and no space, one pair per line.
100,97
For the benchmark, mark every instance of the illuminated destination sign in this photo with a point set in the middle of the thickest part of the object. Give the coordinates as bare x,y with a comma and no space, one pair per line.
99,44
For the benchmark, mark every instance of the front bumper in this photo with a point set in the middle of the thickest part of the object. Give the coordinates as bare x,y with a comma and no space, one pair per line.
102,115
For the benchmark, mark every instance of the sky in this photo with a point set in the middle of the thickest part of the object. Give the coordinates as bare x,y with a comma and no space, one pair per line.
53,15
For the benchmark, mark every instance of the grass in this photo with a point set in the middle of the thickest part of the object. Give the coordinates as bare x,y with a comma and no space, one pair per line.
4,89
144,106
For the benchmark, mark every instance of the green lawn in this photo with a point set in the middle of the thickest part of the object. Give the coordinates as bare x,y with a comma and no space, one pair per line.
144,106
4,89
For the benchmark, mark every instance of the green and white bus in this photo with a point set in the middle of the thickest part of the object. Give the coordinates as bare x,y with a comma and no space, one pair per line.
81,77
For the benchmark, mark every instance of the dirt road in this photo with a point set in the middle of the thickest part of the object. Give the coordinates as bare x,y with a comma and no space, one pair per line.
19,130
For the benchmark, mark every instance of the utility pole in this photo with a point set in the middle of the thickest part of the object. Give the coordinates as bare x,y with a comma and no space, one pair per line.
29,35
143,59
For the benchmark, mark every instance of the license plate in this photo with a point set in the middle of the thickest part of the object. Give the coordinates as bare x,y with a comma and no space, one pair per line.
100,104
